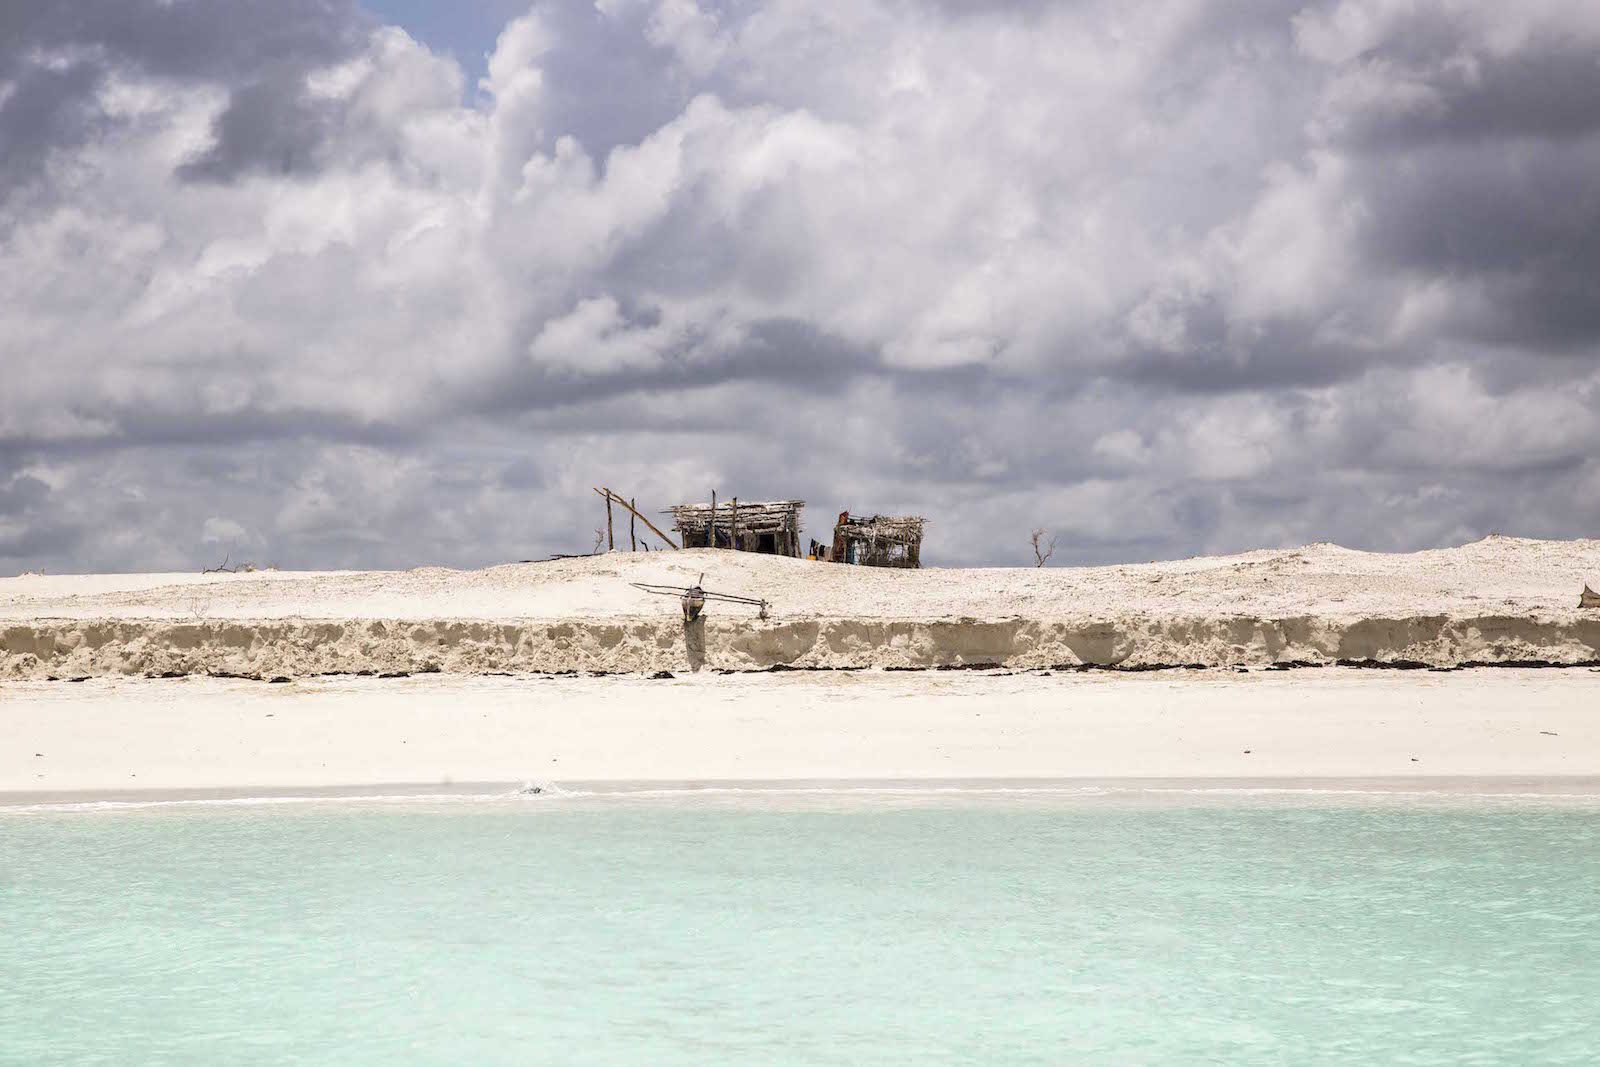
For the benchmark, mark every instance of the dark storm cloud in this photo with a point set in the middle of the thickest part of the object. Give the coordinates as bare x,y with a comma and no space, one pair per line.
1548,92
22,493
45,539
1477,167
1457,211
184,426
28,528
59,54
46,109
270,125
1273,354
1448,85
219,39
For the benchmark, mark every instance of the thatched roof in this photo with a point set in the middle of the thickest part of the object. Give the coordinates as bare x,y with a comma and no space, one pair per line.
900,529
753,515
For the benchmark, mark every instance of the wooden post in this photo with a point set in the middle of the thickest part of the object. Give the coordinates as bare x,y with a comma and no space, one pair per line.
610,541
633,515
711,530
733,527
609,495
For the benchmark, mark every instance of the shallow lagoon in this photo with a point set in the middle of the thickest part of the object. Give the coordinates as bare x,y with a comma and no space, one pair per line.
1007,929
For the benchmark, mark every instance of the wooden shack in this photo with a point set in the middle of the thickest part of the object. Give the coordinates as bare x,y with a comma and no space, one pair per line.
881,541
770,527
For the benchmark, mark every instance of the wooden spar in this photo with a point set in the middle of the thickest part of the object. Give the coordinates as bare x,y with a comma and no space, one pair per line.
609,494
711,528
633,537
611,543
733,526
652,526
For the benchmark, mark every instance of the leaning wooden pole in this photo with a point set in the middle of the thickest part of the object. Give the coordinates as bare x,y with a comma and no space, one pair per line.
611,543
633,536
733,527
653,528
711,530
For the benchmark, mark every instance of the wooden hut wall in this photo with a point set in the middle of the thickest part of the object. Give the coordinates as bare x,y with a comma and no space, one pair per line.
768,528
881,541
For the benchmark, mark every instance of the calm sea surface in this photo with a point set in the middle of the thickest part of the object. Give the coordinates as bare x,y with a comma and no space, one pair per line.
681,932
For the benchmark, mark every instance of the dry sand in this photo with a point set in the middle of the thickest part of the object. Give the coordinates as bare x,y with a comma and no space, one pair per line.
159,735
1500,600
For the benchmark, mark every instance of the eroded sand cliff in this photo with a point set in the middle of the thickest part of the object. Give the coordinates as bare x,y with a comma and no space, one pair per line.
1497,601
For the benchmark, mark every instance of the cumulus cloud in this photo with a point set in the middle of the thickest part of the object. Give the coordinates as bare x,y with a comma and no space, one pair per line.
1169,276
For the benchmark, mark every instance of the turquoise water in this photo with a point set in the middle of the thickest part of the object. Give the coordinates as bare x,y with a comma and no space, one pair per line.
534,932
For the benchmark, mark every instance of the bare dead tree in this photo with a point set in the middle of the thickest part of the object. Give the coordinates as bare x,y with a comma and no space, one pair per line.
599,539
1040,554
224,568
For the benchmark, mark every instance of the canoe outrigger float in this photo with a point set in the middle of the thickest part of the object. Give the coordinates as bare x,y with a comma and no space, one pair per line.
693,599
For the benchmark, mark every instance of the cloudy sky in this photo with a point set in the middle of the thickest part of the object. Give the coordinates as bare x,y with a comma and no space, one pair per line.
327,284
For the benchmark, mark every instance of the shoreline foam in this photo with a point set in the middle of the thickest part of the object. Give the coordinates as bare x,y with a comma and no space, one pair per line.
1575,789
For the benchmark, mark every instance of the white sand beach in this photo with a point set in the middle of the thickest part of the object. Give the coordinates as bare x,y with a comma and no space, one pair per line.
1500,600
250,681
140,736
1506,575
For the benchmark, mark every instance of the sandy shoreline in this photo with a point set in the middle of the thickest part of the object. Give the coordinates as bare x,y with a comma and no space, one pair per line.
547,673
1409,793
210,734
1497,601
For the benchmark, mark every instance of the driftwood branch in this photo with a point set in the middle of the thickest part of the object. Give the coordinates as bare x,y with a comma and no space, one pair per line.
223,568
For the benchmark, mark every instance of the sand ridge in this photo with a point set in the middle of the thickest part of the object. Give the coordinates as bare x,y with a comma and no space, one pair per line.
1496,601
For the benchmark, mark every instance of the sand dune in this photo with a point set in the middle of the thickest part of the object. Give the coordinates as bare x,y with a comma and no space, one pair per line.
1496,601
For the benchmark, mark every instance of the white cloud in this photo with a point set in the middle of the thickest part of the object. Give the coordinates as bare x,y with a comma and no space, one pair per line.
1152,259
220,531
595,339
690,32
